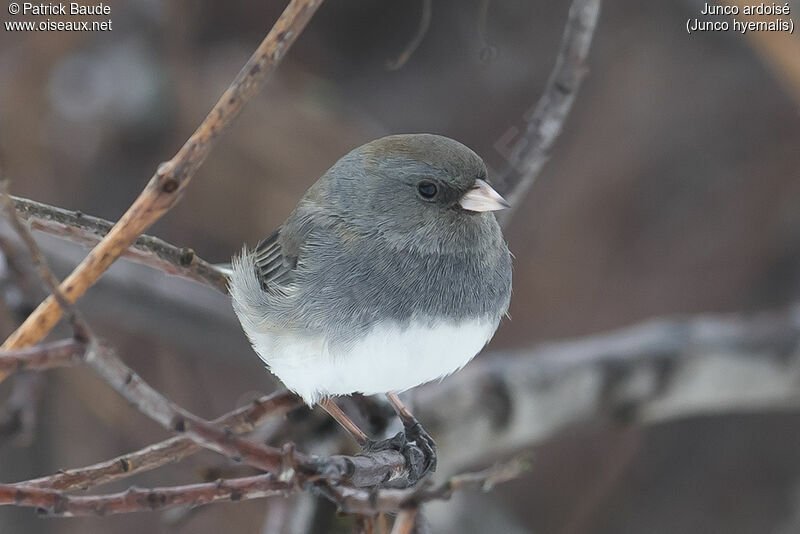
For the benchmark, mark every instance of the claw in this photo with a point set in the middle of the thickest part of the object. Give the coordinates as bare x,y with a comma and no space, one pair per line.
396,443
423,440
416,446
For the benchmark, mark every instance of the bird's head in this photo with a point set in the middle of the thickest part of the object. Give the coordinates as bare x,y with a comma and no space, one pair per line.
423,190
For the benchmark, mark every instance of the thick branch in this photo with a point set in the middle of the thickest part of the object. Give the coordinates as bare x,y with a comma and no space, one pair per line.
172,177
657,371
530,152
89,231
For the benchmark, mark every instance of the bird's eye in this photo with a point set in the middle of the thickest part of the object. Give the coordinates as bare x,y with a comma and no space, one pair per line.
427,189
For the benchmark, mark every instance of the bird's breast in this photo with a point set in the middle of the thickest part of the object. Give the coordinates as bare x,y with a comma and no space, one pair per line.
388,357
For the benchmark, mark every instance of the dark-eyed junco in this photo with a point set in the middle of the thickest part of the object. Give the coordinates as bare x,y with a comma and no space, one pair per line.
391,272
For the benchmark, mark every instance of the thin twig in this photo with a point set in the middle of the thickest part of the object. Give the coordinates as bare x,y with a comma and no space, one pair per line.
62,353
422,29
172,450
147,250
57,503
46,275
366,470
488,50
170,180
531,151
174,418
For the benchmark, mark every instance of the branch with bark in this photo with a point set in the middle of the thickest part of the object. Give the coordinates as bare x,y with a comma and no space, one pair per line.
656,371
88,230
172,450
56,503
62,353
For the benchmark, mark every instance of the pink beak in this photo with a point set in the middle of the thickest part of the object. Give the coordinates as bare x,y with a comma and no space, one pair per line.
483,198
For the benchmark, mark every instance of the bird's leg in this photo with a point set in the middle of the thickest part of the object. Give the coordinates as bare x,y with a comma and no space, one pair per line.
330,406
415,432
397,442
420,459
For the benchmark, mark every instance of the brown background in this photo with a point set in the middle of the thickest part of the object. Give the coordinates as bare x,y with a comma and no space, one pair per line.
674,189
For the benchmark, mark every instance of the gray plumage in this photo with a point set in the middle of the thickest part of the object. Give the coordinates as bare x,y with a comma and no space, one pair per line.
363,247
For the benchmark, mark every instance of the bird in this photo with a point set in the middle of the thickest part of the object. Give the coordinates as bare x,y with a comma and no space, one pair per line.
391,272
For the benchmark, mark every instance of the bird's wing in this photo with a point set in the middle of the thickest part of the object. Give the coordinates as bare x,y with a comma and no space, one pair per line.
274,265
277,256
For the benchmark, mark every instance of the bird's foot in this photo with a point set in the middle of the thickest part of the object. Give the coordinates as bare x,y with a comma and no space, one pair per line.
416,446
423,440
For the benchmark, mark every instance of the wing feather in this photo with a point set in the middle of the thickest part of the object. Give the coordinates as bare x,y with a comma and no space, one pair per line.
274,268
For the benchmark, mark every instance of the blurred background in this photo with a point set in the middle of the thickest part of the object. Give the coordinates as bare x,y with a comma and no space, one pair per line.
675,189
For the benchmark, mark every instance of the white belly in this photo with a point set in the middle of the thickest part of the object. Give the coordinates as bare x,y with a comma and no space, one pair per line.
387,359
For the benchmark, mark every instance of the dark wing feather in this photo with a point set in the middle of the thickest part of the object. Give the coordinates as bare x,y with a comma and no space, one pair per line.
274,267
